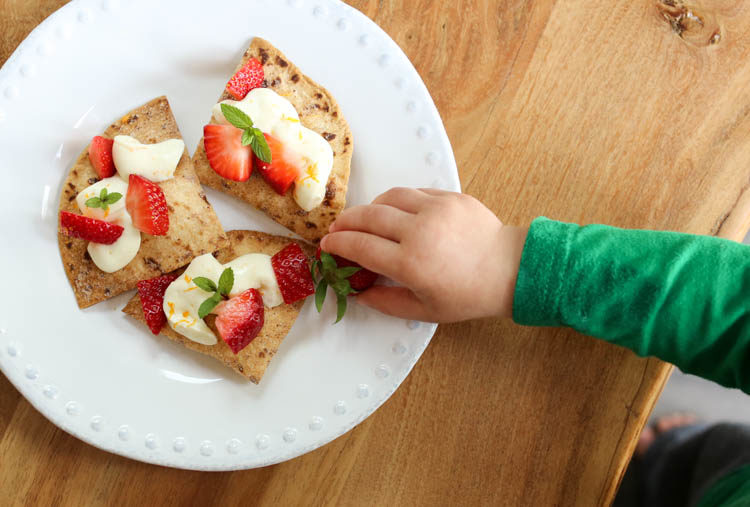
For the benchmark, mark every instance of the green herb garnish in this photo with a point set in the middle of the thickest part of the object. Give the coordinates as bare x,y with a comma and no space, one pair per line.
326,274
220,291
251,136
104,200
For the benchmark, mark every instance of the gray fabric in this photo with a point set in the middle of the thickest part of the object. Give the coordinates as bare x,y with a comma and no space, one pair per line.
683,463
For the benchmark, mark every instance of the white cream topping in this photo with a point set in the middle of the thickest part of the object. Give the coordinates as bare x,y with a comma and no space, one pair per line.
110,258
275,115
113,184
157,162
183,298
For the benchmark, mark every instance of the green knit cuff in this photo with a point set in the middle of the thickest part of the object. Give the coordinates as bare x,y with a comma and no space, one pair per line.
541,274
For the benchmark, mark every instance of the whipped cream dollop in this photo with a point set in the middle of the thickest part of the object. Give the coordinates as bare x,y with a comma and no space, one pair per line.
275,115
110,258
183,298
157,162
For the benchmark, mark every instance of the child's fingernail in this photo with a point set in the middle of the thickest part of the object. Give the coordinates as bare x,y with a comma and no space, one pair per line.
323,242
330,227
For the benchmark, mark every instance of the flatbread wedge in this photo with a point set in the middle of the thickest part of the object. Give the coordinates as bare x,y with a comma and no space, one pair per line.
252,361
318,111
194,228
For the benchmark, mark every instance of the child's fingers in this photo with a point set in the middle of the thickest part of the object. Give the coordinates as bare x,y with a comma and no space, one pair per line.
372,252
435,191
381,220
397,301
410,200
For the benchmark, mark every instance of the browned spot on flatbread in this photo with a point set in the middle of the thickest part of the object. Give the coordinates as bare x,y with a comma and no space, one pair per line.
152,263
318,95
93,180
310,225
281,62
328,136
263,55
68,245
295,78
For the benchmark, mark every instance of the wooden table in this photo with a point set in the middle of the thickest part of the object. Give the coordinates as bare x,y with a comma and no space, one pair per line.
627,112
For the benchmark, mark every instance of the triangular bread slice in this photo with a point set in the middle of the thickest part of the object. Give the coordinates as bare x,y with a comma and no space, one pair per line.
252,361
194,228
318,111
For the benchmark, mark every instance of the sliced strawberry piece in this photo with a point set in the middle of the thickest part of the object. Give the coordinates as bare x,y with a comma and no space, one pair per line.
90,229
225,152
147,206
250,76
100,155
151,293
240,319
292,271
284,168
361,280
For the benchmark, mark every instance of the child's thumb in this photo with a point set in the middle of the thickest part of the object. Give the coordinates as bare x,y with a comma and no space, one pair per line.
396,301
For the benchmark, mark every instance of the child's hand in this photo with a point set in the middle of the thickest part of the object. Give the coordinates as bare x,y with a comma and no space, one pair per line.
455,259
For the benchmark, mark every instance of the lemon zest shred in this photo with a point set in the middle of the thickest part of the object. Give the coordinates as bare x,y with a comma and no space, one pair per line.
312,173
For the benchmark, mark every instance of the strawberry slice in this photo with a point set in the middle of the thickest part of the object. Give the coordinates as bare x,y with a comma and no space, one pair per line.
250,76
292,271
240,319
361,280
284,167
147,206
100,155
225,152
90,229
151,293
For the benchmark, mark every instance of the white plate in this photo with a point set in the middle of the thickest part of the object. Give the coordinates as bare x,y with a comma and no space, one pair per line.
104,378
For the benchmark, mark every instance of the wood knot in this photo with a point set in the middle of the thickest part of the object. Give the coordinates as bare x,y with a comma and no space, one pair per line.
693,24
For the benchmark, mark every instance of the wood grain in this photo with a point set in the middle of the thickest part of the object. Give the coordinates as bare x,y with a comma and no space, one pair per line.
624,112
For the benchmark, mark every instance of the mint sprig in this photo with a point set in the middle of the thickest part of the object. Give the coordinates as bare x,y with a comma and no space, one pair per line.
251,136
104,200
220,291
326,274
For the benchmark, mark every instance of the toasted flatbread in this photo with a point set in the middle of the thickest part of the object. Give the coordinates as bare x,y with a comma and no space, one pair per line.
252,361
194,228
318,111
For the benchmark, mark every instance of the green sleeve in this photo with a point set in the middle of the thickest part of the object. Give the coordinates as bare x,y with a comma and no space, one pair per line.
679,297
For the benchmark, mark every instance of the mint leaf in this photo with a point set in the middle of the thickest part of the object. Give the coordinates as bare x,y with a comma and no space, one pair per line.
340,307
94,202
320,294
103,193
313,265
226,281
236,117
113,197
247,137
347,271
209,304
205,284
328,262
259,145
